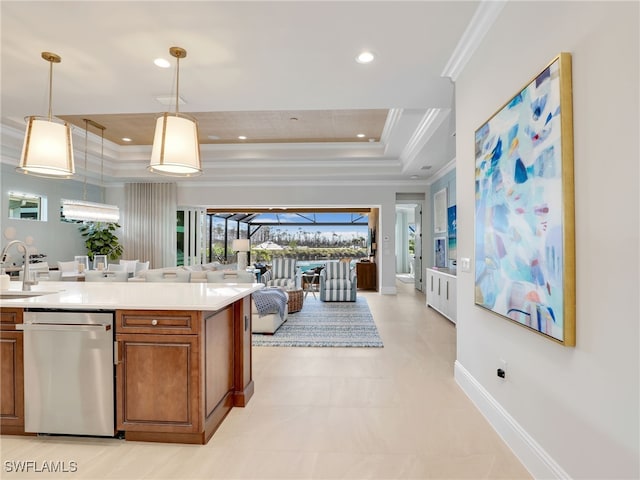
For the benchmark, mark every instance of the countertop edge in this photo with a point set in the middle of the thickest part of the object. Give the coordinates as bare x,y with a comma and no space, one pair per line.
78,296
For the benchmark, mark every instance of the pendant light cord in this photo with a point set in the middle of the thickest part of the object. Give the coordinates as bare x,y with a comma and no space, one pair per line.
102,162
86,148
177,84
86,136
50,87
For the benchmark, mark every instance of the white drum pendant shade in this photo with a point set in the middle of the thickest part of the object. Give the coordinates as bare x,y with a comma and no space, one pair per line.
175,149
47,149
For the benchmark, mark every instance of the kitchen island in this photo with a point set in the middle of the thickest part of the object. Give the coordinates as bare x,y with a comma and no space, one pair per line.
182,353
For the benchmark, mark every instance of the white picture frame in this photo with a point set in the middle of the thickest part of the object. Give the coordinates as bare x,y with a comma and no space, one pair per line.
440,211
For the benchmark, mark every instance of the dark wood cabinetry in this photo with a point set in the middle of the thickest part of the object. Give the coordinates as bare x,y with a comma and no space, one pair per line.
367,275
179,373
11,372
157,383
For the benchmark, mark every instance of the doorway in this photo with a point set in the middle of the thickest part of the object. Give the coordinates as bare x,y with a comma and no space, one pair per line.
409,242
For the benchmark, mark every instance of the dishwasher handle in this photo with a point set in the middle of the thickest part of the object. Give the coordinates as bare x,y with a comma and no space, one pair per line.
51,327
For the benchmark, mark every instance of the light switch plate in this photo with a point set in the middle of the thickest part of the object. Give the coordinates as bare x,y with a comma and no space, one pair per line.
465,264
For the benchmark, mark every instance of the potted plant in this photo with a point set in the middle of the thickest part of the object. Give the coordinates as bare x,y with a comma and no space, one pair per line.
100,239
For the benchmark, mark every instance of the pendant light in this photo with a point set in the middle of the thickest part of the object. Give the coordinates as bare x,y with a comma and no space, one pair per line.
176,150
82,209
47,149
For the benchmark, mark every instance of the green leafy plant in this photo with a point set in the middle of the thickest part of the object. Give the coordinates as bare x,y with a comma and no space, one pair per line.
100,240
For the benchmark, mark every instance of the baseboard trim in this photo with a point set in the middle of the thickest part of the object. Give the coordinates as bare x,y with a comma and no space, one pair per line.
388,291
534,458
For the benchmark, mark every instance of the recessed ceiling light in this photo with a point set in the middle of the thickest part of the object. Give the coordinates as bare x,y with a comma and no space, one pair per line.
361,135
414,177
162,63
242,137
365,57
126,139
213,137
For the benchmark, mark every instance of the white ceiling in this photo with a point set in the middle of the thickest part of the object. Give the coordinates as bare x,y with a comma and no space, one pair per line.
244,56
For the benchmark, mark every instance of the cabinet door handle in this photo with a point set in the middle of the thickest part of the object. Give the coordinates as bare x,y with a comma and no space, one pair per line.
116,352
154,322
431,277
447,289
438,286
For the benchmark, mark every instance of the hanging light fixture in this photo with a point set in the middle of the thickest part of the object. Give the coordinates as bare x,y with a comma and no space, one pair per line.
47,149
176,150
82,209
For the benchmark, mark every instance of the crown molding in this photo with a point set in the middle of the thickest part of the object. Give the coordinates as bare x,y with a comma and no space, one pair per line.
481,22
430,122
451,165
390,124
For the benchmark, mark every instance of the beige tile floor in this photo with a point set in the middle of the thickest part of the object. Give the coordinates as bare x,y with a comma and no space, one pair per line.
323,413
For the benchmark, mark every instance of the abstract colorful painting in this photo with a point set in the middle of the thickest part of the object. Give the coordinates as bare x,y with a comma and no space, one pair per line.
524,209
440,252
452,230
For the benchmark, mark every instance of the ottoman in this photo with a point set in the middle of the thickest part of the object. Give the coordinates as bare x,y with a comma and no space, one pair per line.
296,298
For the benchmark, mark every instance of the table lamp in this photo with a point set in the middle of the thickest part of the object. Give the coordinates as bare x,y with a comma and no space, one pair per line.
242,246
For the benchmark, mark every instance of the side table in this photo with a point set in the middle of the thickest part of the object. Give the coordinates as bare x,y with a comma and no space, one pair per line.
296,299
311,283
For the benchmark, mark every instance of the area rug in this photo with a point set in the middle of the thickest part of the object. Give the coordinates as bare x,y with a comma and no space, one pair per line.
325,324
405,278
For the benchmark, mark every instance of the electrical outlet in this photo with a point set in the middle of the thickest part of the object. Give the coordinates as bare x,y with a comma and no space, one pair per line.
465,264
502,369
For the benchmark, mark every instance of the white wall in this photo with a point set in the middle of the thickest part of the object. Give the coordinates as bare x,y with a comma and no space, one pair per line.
577,407
59,240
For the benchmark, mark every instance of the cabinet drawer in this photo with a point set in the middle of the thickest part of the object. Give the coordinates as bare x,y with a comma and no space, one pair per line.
9,317
158,322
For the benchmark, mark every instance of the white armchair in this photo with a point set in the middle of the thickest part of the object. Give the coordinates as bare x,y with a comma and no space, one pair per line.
105,276
232,276
170,276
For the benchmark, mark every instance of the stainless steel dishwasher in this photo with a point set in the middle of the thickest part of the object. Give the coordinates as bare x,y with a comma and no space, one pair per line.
69,372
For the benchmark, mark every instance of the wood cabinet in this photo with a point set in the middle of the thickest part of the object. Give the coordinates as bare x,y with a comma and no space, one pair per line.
157,383
179,373
11,372
367,275
441,292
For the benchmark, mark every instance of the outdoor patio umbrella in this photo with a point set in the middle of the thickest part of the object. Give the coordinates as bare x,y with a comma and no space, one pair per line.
268,245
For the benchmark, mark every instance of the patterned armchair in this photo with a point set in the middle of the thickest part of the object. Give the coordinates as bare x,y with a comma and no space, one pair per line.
338,282
282,274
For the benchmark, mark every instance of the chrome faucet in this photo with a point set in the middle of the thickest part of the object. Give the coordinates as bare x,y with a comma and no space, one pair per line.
27,281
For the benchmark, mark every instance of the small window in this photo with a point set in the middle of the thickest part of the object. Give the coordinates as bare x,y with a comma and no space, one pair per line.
27,206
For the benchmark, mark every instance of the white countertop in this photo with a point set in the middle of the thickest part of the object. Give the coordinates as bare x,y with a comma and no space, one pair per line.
134,295
445,271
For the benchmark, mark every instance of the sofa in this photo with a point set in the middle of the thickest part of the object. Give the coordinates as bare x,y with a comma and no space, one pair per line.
267,323
198,272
